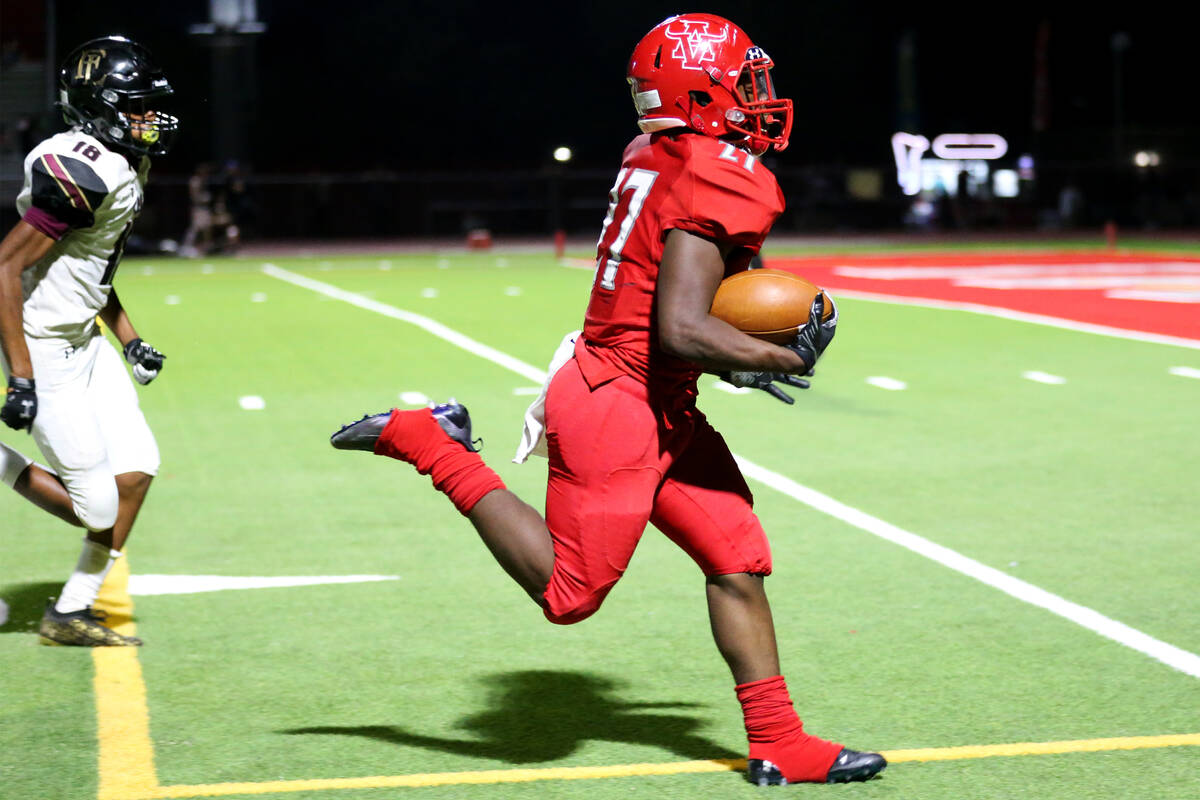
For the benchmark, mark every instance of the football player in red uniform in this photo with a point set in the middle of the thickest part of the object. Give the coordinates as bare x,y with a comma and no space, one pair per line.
627,446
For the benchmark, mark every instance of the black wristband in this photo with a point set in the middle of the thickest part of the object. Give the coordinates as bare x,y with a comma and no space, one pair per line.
130,346
21,384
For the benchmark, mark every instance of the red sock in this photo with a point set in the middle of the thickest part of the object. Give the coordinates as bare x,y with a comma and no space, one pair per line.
777,735
415,437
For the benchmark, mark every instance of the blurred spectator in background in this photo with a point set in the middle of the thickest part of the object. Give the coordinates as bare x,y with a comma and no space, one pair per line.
198,239
1070,204
232,210
224,231
922,213
962,204
943,208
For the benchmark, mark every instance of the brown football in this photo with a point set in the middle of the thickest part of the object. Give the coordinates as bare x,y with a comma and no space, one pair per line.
768,304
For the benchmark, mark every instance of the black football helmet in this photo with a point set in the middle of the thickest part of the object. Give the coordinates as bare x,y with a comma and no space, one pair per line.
111,88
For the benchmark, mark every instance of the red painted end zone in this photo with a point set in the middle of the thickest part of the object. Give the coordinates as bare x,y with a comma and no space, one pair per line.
1155,294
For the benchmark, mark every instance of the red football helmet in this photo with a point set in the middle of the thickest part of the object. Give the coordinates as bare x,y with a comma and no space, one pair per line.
701,71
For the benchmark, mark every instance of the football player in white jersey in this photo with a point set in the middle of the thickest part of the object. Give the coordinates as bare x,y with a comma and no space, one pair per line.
66,384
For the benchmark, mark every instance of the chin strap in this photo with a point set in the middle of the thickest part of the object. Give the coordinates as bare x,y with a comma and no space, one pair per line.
662,124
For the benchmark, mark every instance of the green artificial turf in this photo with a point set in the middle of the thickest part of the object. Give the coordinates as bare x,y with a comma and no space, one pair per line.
1085,489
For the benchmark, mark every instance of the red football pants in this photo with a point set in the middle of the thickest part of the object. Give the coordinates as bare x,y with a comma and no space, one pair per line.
616,465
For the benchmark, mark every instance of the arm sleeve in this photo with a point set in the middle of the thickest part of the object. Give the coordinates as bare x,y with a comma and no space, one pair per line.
45,223
723,200
65,193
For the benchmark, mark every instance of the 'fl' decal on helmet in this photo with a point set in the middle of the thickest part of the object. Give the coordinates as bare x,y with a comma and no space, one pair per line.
693,42
88,61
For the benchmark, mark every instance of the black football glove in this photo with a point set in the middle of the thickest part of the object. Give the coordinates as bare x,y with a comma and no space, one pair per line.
145,359
20,404
766,381
812,339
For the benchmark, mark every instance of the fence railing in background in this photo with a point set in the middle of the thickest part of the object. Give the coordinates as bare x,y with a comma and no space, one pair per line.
820,199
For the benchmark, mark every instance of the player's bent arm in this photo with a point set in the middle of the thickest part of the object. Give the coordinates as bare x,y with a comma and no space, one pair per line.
692,267
145,360
23,247
117,320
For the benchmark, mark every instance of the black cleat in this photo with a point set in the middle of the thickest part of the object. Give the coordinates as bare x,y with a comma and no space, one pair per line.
81,628
850,765
362,435
456,422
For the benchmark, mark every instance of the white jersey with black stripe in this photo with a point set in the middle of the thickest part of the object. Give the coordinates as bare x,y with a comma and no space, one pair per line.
87,196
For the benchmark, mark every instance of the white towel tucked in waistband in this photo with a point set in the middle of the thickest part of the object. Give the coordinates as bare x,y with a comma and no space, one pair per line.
533,439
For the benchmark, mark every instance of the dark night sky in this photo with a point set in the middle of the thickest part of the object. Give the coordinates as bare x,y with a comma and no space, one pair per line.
455,84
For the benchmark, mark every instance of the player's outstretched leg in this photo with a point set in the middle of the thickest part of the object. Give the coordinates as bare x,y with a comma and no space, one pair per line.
781,752
438,443
453,418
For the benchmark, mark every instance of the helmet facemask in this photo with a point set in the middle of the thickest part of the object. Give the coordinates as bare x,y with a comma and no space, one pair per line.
150,129
134,123
763,118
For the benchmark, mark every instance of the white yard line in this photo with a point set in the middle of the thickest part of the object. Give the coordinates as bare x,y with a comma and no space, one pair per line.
142,585
1168,654
1119,632
432,326
1019,316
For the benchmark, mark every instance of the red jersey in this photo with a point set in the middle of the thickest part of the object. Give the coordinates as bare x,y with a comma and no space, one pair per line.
667,180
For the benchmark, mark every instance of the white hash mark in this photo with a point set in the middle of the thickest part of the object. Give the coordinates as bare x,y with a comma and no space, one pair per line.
1043,377
884,382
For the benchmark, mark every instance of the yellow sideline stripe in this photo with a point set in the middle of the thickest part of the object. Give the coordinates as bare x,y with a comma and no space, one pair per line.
453,778
122,718
127,753
1042,748
633,770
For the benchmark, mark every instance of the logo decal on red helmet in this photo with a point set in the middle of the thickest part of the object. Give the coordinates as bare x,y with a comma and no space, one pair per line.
693,42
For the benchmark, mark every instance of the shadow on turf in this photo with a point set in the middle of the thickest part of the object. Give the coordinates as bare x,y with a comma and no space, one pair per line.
26,602
538,716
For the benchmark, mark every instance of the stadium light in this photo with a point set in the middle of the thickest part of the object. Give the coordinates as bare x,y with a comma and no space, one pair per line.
1025,167
970,145
562,154
1146,158
1006,183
